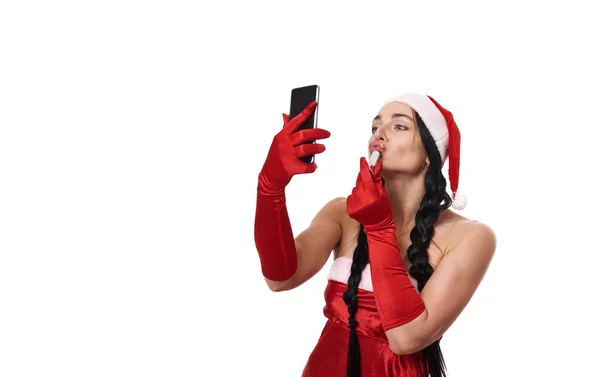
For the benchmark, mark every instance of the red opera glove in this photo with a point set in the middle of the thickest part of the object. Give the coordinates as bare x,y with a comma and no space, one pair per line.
396,298
273,234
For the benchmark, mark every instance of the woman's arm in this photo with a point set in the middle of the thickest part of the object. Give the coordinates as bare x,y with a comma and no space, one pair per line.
448,291
273,235
314,245
412,321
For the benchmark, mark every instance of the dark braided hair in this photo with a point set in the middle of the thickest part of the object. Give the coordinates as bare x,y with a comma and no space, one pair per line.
435,200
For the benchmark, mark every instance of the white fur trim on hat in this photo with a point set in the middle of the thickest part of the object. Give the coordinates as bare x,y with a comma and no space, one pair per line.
433,118
459,201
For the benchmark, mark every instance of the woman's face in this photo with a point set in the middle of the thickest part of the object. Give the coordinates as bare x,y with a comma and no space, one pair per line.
397,137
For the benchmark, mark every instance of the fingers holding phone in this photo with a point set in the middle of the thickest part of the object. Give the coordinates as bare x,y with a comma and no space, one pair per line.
301,120
304,142
294,148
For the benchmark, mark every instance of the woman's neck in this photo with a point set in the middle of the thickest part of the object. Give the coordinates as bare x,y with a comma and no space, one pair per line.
405,197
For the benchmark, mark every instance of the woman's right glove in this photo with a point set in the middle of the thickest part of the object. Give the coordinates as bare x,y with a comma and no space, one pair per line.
273,234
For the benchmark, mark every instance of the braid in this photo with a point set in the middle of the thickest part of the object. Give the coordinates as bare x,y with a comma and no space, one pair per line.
360,259
436,199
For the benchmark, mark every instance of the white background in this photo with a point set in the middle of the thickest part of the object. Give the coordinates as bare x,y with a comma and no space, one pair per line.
131,135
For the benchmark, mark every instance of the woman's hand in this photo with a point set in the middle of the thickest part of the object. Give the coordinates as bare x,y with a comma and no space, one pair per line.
283,160
369,203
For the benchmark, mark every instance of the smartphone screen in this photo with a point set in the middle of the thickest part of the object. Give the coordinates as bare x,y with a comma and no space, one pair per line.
302,97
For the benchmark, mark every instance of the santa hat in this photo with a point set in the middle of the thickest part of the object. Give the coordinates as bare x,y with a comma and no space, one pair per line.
442,127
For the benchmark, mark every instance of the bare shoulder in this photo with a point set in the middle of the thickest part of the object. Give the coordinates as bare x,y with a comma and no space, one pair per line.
335,209
339,203
349,225
467,234
330,216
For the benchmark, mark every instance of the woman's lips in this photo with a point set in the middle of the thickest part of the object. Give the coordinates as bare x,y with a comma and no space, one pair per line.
376,147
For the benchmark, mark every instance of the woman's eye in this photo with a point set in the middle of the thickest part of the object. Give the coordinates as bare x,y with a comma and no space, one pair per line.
401,127
373,129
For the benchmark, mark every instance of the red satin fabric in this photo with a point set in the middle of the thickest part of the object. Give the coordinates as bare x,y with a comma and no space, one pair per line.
273,234
370,206
330,356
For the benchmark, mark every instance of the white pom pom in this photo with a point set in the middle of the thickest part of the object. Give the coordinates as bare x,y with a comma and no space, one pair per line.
459,201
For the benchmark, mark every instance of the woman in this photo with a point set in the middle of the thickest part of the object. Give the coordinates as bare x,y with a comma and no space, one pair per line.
405,265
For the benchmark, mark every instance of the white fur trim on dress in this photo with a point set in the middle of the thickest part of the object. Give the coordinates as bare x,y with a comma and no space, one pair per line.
340,271
431,115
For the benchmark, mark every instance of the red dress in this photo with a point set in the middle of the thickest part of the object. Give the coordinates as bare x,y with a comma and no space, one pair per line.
330,356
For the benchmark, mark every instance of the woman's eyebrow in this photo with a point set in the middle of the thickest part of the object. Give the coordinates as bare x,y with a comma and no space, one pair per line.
395,115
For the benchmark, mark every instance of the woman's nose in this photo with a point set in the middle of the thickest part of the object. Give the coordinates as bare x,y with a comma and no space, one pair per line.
379,134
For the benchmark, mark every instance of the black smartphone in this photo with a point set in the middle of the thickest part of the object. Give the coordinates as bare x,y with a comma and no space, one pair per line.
302,97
